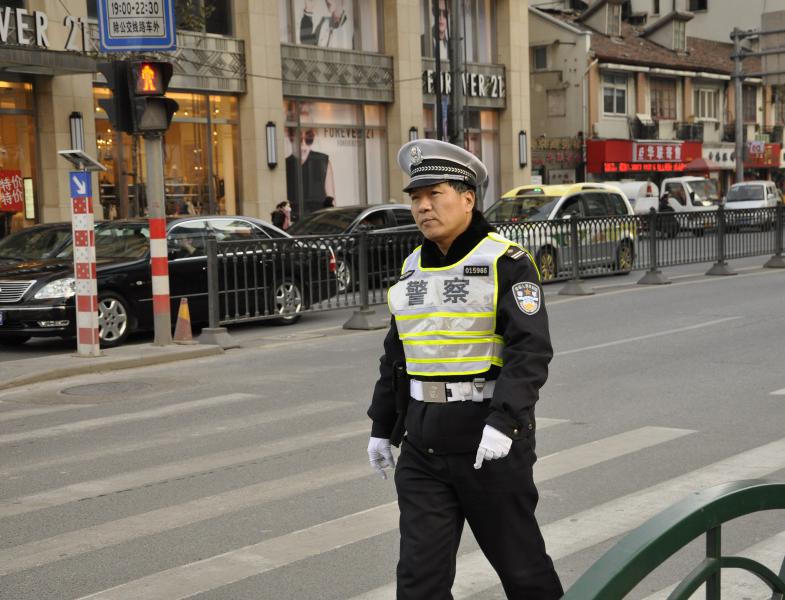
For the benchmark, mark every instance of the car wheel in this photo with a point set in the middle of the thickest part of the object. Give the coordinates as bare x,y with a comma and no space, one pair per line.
343,274
625,255
13,340
546,263
114,319
287,301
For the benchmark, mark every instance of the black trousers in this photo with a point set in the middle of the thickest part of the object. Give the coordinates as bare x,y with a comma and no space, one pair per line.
436,493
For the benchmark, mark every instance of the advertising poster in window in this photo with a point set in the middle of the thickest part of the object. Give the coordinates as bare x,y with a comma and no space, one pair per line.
336,162
324,23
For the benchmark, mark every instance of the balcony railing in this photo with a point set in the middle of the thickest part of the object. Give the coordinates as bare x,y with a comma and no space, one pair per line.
644,130
774,133
689,131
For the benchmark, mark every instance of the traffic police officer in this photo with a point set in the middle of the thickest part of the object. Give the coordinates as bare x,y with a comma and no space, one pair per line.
464,359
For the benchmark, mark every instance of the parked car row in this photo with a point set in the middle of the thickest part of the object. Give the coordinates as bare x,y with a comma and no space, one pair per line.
37,285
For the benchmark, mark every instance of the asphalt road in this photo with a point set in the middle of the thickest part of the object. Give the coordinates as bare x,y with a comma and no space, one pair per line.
244,476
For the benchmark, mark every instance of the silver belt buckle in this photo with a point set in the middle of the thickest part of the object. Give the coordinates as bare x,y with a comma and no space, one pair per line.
434,391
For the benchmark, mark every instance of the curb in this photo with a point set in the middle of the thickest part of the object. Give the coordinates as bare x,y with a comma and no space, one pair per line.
104,364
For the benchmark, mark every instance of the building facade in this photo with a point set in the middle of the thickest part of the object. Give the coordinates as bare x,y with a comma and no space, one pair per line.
654,98
278,100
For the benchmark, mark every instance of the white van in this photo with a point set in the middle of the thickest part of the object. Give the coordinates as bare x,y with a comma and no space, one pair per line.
749,196
641,194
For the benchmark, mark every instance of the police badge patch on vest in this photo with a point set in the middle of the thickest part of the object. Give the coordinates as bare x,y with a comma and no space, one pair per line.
527,296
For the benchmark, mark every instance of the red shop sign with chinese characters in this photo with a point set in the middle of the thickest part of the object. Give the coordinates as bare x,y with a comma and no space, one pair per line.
12,193
623,156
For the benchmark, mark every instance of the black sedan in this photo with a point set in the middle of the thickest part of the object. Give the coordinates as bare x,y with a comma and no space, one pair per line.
392,235
37,294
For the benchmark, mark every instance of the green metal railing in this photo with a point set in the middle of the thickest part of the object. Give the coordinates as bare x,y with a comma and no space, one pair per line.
642,550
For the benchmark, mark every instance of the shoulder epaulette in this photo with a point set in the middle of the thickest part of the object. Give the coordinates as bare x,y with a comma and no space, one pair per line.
515,253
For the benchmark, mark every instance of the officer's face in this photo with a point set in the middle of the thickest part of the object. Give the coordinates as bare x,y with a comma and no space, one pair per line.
442,213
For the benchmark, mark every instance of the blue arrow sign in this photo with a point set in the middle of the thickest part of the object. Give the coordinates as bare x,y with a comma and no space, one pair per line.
81,184
125,26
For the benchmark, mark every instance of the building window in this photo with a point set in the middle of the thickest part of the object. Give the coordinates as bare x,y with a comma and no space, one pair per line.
540,55
479,27
209,16
655,7
557,103
344,25
336,154
779,106
614,20
663,98
698,5
705,103
614,95
750,103
680,36
201,159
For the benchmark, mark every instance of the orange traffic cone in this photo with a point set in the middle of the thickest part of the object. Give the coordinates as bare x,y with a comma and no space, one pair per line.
182,330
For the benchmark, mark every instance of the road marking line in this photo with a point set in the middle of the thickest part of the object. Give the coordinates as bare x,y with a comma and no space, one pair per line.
37,553
182,434
779,392
230,567
648,336
10,415
154,413
616,517
127,481
740,584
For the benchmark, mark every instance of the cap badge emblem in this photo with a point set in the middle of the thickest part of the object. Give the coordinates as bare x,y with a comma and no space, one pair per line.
416,154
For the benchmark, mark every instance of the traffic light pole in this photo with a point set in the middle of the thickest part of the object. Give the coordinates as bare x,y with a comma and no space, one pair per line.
159,260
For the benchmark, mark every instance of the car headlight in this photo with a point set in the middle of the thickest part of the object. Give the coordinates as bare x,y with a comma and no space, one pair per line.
60,288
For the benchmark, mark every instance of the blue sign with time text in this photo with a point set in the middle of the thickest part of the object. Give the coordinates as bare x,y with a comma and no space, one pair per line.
130,25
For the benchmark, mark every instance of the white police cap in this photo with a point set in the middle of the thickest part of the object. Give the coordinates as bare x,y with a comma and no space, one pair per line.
429,162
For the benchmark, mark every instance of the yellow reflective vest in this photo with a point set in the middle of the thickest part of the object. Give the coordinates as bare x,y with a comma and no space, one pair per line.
446,316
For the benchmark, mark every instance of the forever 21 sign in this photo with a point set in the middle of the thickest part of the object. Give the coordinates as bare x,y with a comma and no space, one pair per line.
475,85
19,26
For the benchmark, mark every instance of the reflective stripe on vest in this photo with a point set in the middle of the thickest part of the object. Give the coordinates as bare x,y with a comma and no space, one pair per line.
446,316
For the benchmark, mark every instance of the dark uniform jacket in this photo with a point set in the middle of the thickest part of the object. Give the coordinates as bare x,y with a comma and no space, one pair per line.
455,427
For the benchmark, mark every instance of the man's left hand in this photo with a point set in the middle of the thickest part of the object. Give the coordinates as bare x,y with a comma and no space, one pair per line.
494,444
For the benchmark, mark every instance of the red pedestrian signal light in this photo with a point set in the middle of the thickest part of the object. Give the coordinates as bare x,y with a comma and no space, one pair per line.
151,111
150,78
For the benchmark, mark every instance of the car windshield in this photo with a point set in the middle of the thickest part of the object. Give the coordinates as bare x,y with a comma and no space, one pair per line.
328,222
30,244
739,193
522,208
118,240
705,191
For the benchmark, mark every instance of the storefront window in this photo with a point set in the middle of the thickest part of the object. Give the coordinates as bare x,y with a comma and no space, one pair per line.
479,25
335,155
17,156
341,24
201,164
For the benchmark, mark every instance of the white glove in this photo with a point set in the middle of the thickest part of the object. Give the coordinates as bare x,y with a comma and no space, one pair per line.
494,444
380,455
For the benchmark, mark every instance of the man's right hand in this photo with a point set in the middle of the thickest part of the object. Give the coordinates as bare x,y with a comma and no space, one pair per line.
380,455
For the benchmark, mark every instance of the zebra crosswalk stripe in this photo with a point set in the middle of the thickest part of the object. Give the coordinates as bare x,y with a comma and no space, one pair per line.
227,568
153,413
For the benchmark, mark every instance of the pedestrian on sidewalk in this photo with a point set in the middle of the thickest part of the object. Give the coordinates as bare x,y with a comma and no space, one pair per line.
464,359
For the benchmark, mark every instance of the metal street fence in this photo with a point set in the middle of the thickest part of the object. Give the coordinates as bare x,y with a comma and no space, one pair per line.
283,278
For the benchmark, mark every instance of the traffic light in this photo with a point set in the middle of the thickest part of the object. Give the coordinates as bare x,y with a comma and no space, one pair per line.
147,82
118,107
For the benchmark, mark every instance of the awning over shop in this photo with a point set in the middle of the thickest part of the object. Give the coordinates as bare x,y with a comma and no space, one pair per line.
702,165
37,61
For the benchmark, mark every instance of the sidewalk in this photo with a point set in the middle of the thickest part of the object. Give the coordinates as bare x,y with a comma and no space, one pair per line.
44,368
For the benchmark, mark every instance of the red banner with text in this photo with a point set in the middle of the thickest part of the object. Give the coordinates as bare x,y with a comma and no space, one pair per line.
12,193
